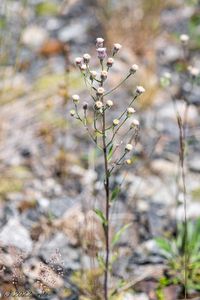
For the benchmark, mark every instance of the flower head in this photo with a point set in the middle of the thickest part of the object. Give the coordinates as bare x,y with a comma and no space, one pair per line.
85,105
98,104
109,103
134,69
128,161
100,91
135,123
75,98
99,42
140,90
104,75
184,38
72,112
86,58
78,61
93,74
117,46
83,67
110,62
130,111
128,147
115,122
101,52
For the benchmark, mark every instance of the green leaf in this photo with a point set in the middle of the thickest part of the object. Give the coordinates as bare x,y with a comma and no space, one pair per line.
100,214
115,193
165,246
119,233
110,152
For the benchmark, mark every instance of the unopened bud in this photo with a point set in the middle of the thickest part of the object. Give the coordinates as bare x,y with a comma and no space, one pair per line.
109,103
128,147
134,69
117,47
99,42
135,123
72,112
93,74
101,52
115,122
78,61
128,161
110,62
140,90
85,105
83,67
104,75
86,58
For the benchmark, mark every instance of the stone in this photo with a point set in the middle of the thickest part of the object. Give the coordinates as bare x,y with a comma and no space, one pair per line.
34,36
59,243
14,234
194,164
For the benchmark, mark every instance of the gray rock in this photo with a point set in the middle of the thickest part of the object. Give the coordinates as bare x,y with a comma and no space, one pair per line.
74,31
58,207
194,164
14,234
58,243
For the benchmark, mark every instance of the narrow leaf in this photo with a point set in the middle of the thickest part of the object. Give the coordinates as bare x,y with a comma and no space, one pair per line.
119,233
100,214
115,193
110,152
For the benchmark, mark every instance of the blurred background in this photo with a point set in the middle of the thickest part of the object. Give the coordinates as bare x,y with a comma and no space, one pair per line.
50,172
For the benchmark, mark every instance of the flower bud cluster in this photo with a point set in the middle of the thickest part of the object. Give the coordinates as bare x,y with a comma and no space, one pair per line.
103,104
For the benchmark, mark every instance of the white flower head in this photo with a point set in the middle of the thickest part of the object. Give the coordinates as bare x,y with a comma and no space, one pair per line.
86,58
98,104
110,62
104,75
117,46
93,74
130,111
75,98
129,147
140,90
115,122
83,67
134,69
78,61
109,103
135,123
99,42
184,38
100,91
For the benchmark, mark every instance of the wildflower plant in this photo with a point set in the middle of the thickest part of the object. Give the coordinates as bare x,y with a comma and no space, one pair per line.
191,76
104,132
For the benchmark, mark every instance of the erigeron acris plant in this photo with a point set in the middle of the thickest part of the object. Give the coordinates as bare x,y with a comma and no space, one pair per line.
104,133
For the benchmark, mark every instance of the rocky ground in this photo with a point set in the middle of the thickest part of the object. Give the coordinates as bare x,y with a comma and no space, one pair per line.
49,181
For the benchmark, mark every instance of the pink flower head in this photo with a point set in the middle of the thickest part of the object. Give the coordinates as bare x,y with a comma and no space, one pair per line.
99,42
101,53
